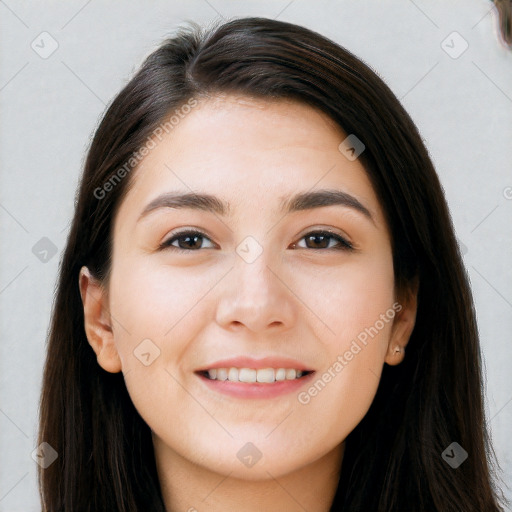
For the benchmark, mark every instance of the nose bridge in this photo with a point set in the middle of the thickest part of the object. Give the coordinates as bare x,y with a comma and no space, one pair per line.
255,295
256,281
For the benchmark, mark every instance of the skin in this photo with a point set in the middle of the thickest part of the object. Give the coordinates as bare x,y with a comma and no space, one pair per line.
208,303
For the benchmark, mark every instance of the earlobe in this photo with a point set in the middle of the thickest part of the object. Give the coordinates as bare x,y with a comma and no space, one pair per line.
97,321
403,325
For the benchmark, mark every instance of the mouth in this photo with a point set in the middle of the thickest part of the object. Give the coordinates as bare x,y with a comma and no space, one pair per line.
253,375
255,383
249,377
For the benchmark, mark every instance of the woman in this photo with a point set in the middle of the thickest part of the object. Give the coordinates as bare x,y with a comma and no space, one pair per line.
192,362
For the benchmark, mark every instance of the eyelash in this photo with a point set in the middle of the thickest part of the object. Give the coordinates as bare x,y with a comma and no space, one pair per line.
344,244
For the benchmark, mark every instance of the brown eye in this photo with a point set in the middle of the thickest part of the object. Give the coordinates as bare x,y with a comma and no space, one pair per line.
187,241
323,239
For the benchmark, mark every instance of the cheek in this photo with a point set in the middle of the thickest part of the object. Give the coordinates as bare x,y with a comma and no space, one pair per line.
351,297
158,309
155,302
357,310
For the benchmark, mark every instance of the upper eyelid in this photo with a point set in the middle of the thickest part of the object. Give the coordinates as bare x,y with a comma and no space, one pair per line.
187,231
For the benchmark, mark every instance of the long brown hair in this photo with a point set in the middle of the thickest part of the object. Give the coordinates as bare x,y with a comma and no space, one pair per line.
393,459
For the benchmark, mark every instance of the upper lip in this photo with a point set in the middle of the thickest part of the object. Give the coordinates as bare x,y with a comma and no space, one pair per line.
249,362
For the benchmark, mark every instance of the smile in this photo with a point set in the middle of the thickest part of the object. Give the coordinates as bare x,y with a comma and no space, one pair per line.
243,383
252,375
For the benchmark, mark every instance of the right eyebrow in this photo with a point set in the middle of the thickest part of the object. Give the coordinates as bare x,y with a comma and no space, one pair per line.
194,201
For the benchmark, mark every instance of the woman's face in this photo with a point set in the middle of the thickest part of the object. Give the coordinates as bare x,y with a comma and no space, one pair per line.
255,281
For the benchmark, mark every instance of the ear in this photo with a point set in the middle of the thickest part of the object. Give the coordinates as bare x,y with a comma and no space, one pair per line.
97,321
403,324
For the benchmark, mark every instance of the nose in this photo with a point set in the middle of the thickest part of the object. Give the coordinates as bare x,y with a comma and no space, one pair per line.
257,297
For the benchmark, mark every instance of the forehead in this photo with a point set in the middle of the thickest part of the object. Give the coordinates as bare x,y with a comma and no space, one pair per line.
250,152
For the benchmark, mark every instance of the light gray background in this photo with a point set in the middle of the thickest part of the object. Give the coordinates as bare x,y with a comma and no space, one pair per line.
50,107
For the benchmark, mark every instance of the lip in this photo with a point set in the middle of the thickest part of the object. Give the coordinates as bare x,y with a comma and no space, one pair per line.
257,364
257,389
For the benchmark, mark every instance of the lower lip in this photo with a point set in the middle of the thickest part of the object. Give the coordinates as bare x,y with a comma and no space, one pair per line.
256,389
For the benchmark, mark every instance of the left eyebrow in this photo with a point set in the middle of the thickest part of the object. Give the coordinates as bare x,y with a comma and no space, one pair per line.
320,198
302,201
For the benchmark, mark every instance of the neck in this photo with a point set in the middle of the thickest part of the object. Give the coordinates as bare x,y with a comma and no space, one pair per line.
188,487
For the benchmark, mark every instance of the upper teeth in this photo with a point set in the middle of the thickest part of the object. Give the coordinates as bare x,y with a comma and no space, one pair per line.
253,375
